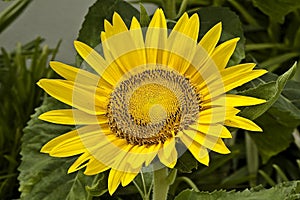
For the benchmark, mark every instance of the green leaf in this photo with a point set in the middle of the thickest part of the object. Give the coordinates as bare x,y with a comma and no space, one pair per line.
274,139
277,9
186,163
292,92
269,91
12,12
41,176
99,186
231,28
144,17
101,10
287,191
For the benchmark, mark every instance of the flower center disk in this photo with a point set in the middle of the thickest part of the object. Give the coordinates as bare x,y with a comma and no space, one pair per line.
151,106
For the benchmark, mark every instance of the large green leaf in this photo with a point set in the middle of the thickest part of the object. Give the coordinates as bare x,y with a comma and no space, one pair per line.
231,28
277,9
287,191
42,176
269,91
277,117
186,163
101,10
274,139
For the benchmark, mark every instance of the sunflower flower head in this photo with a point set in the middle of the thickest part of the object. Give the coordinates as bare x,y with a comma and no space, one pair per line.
150,93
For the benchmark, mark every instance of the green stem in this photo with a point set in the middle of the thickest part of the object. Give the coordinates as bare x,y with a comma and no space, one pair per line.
280,172
161,184
143,195
189,182
244,12
170,8
267,178
252,159
182,8
278,59
262,46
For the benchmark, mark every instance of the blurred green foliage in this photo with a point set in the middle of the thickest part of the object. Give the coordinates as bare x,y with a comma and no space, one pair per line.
20,69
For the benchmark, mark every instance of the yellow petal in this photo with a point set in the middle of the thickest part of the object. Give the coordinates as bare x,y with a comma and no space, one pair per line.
75,145
72,117
214,143
114,180
152,152
181,24
98,63
127,178
137,35
76,95
156,38
198,151
232,100
95,167
137,156
182,43
118,24
238,100
54,142
215,114
80,163
223,52
241,122
187,26
211,38
216,130
74,74
234,80
168,154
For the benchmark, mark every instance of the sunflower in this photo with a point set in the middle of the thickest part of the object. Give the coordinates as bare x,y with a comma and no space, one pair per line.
148,94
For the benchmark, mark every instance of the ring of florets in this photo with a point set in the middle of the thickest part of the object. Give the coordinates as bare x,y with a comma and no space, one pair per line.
151,106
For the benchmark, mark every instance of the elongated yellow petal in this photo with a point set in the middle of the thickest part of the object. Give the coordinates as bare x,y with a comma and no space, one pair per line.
137,35
114,180
95,167
214,143
72,117
118,24
81,98
182,43
241,122
238,100
54,142
233,100
198,151
181,24
156,38
98,63
80,163
216,130
187,26
127,178
74,146
215,114
211,38
152,152
234,80
223,52
168,154
74,74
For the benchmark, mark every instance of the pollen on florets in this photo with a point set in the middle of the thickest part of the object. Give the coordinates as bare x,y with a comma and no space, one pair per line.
151,106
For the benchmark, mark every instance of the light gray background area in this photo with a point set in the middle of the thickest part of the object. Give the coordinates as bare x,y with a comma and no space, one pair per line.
52,20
